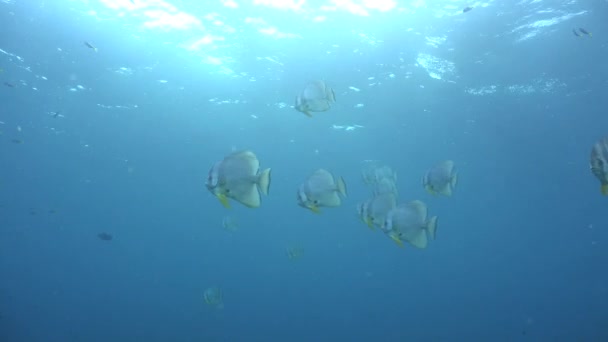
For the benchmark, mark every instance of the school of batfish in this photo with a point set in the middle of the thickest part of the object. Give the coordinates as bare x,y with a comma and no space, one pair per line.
238,177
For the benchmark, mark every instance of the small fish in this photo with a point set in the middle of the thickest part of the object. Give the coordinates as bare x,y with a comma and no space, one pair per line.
316,97
90,46
374,173
17,141
294,253
385,186
466,9
373,211
214,297
230,224
583,31
575,32
321,189
10,85
441,179
105,236
408,222
238,176
599,164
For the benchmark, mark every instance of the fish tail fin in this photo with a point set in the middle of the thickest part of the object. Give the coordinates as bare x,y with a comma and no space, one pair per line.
431,227
341,186
454,180
264,181
604,189
396,239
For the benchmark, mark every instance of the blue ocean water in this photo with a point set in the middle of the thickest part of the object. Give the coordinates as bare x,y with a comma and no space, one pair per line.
120,139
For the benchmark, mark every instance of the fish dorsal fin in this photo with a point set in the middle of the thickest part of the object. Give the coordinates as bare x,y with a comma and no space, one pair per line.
448,166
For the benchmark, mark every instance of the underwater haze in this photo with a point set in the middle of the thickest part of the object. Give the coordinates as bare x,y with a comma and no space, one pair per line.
113,112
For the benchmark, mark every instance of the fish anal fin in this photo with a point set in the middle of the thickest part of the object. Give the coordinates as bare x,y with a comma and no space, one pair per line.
420,240
250,198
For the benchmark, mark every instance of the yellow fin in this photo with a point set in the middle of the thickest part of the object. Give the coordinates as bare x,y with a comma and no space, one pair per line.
369,223
604,189
224,200
314,209
397,240
430,190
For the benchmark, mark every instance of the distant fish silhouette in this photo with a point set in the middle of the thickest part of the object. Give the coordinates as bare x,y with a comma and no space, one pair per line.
466,9
104,236
90,46
583,31
575,32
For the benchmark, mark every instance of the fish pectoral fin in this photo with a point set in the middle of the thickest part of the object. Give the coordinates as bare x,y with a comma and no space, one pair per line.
397,240
224,200
604,189
314,209
370,224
